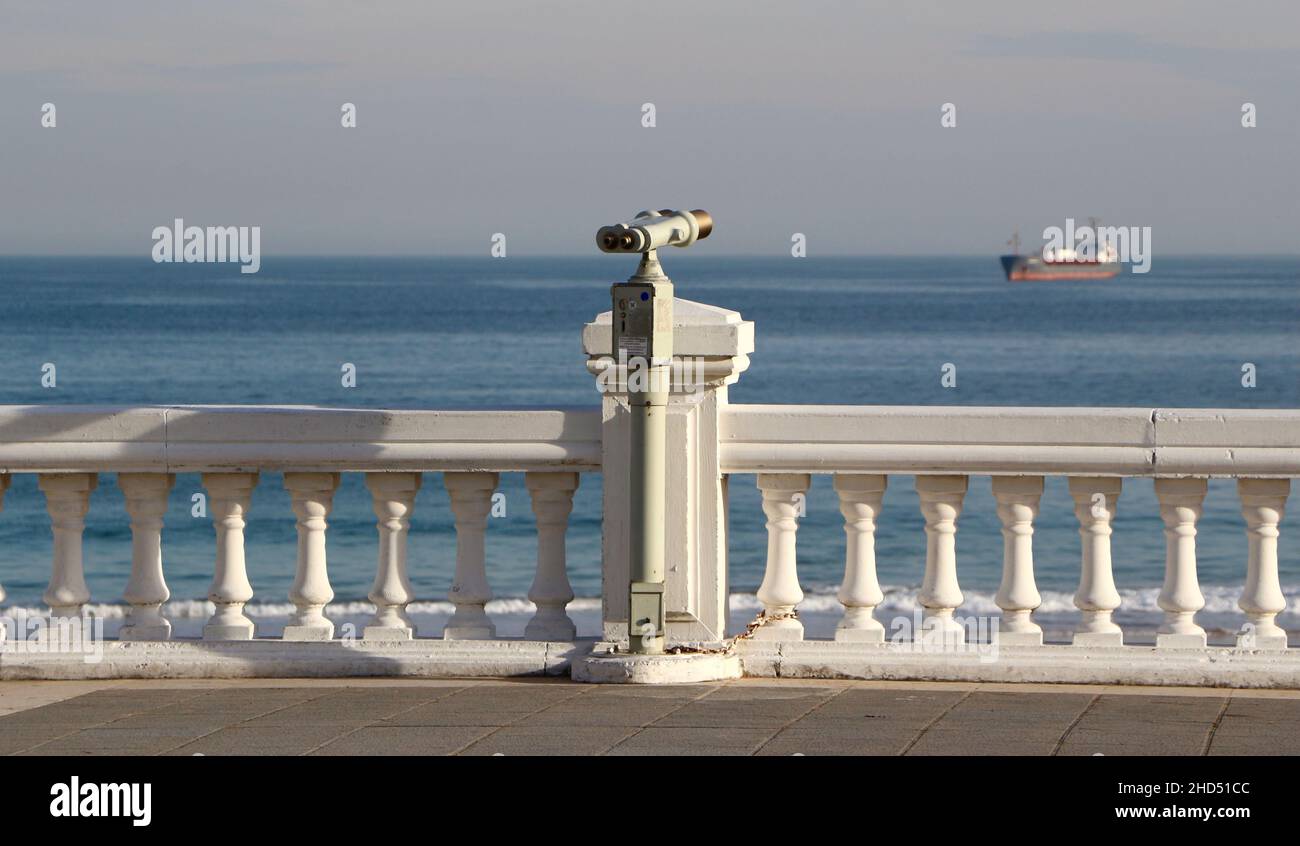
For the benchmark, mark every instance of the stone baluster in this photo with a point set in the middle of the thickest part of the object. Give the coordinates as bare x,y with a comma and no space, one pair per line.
1017,596
1095,499
783,498
67,499
312,497
860,502
146,503
940,595
552,497
393,496
471,501
4,486
228,500
1180,596
1263,503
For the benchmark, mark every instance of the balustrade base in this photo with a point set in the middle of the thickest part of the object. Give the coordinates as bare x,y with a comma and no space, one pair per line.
161,631
860,635
189,659
1020,638
1248,641
1181,641
605,666
236,631
1052,663
1098,639
308,633
387,633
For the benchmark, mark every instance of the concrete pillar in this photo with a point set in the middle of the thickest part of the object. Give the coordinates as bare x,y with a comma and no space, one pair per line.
711,348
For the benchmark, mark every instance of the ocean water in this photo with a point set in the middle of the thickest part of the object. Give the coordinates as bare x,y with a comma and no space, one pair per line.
491,333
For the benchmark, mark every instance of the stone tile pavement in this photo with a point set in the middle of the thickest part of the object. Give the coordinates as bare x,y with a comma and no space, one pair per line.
558,717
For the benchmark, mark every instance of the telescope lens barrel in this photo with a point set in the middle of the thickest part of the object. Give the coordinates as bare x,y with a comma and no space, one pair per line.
705,220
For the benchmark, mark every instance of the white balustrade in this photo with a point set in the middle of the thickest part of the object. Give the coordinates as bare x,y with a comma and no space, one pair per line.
67,498
552,498
471,502
312,497
393,496
1095,498
1180,596
941,500
228,501
146,503
1263,503
1017,504
860,502
784,495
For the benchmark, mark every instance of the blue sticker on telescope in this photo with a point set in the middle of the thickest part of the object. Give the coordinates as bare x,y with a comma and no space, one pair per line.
645,295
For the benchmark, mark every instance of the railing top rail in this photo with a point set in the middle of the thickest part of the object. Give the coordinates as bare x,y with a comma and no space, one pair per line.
234,438
996,440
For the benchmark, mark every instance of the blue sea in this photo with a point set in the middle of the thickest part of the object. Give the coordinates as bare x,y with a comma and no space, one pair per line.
492,333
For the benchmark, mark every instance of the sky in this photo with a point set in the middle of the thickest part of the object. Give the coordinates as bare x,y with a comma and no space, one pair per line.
525,118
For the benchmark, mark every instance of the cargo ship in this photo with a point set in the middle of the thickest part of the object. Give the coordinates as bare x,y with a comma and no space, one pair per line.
1059,264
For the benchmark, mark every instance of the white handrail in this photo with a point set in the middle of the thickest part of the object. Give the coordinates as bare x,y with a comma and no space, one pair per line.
193,438
1010,441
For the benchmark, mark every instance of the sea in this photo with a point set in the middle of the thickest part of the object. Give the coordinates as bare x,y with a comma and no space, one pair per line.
483,332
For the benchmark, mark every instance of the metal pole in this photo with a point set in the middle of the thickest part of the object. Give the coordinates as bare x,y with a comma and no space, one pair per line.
649,383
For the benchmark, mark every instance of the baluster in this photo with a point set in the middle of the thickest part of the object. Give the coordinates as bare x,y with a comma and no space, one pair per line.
552,497
1095,499
67,499
1180,596
312,497
228,499
860,502
4,486
940,595
146,503
1263,503
1018,498
471,500
393,496
783,496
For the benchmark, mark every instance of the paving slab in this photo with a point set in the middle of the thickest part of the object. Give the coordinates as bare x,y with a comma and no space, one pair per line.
554,717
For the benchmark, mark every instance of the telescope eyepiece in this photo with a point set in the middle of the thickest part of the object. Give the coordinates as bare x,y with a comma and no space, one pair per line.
654,229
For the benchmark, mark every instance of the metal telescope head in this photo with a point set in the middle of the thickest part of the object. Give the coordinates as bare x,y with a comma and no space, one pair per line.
651,230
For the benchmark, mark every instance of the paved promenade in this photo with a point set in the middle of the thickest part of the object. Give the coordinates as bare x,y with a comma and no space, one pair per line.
764,717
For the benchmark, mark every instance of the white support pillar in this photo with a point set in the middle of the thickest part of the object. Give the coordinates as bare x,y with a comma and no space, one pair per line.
860,499
67,498
393,496
1095,499
146,502
940,595
1180,597
1263,504
552,497
711,348
471,501
1018,498
312,497
4,486
228,498
783,494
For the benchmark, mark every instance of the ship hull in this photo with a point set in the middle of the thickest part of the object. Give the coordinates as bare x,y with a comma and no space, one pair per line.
1034,269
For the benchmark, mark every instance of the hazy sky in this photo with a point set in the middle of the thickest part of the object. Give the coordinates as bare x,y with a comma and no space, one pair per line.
525,118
